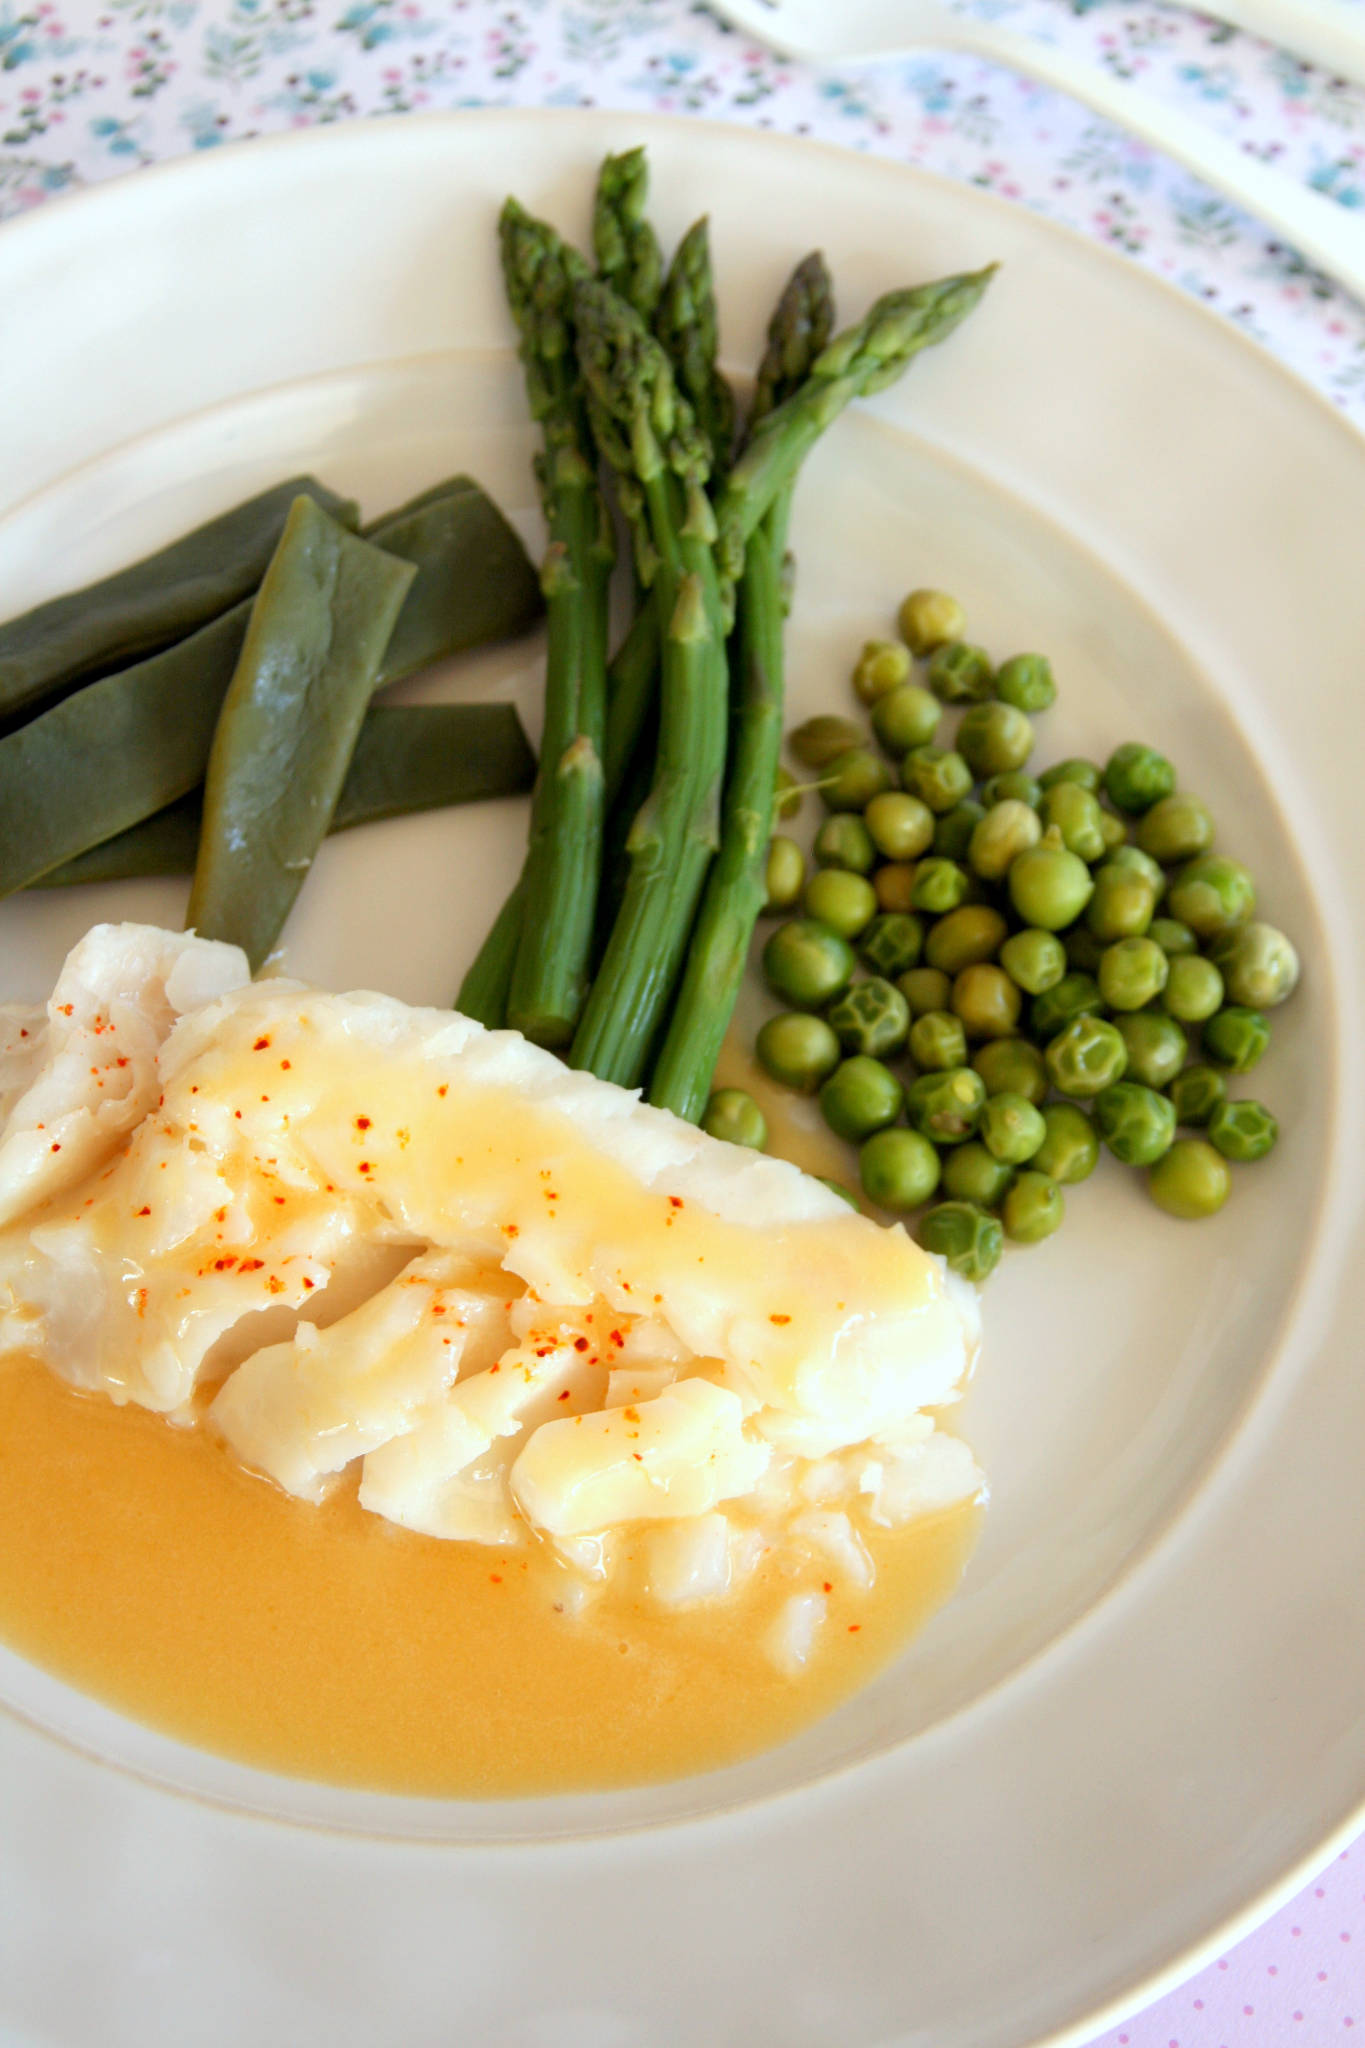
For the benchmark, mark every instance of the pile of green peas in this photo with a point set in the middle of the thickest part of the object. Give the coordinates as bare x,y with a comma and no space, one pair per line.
988,971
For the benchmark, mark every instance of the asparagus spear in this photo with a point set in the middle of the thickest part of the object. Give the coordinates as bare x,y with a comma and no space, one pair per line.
626,246
646,430
563,860
687,325
736,887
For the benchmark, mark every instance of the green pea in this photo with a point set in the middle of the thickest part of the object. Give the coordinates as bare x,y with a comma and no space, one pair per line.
1076,814
1070,1149
929,617
873,1017
905,718
837,1188
1156,1047
960,673
946,1106
1136,1123
1075,995
938,776
1015,786
1243,1131
1011,1128
940,886
823,739
994,739
1033,1208
1049,886
965,936
1073,770
1127,856
1259,965
1194,989
1034,960
1196,1094
1025,681
787,795
847,903
883,665
1011,1066
1178,828
1212,895
786,874
1190,1181
1086,1056
1083,950
899,1169
953,832
925,989
970,1174
892,943
1132,972
736,1117
938,1041
850,781
899,825
894,883
1136,777
807,964
1175,939
798,1050
1007,830
860,1096
969,1239
1122,905
987,1001
1236,1038
1114,831
843,841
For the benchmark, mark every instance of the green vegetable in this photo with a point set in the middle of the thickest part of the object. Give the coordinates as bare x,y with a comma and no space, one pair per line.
1175,939
624,243
1033,1208
1196,1094
892,943
1075,995
289,724
873,1018
1176,829
483,992
686,322
1243,1131
1070,1150
1136,777
1049,886
925,989
788,795
938,1041
969,1239
1190,1180
861,1096
898,1169
1129,856
906,717
798,1050
882,667
1259,966
1085,1056
1194,988
969,934
1034,960
954,829
1011,1066
843,901
1012,1128
1236,1037
159,600
940,886
837,1188
928,618
899,825
1115,833
1076,815
1212,895
970,1174
894,883
474,582
938,776
1132,972
994,739
1156,1047
844,841
1073,769
1016,785
1007,830
850,781
807,964
986,1000
946,1107
1026,681
960,673
1083,950
821,740
1136,1123
785,875
1122,905
735,1116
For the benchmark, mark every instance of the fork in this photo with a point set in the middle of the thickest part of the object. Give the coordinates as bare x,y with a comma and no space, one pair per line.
861,31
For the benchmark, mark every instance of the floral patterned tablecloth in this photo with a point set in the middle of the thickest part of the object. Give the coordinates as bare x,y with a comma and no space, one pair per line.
89,91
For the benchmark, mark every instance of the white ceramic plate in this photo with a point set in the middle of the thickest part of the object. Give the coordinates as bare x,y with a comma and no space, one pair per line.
1142,1717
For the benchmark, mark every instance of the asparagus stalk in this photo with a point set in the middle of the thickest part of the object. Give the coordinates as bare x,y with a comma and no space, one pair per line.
737,884
646,430
485,988
687,325
624,243
563,859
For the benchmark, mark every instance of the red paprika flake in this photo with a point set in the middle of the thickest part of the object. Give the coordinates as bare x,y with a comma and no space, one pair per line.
261,1045
362,1123
779,1319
